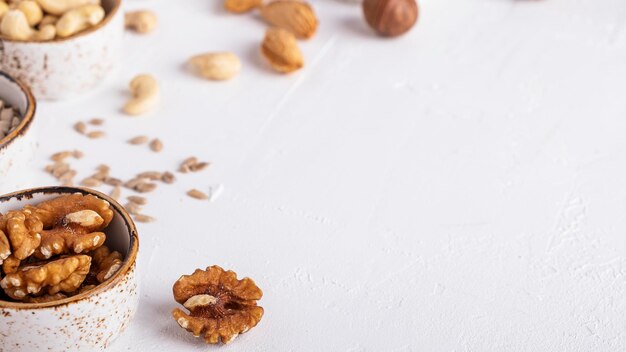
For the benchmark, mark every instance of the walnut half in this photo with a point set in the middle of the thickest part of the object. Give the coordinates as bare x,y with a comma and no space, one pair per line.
105,263
5,247
52,212
76,233
220,306
61,275
23,231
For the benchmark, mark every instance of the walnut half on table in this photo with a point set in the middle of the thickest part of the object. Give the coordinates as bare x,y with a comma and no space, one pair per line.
220,305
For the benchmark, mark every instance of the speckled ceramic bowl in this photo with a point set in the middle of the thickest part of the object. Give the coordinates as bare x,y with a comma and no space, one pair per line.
17,149
86,322
66,67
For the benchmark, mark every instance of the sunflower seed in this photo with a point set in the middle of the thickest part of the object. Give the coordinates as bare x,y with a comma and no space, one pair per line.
96,134
137,200
186,164
199,166
96,122
168,177
194,193
156,145
91,182
60,156
192,164
112,181
99,176
132,183
132,208
144,218
116,192
80,127
67,176
138,140
103,168
145,187
59,169
151,175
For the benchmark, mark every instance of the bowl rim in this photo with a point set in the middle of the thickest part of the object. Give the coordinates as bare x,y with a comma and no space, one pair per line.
107,18
129,260
29,114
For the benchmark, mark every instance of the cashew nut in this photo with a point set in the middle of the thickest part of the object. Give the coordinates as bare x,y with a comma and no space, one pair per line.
145,91
4,7
45,33
78,19
31,9
15,26
59,7
48,19
141,21
216,66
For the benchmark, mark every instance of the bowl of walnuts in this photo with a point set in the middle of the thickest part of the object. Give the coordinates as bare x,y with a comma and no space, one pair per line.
60,48
68,269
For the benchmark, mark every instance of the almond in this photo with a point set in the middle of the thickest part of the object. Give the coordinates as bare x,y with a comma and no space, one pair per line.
295,16
280,48
241,6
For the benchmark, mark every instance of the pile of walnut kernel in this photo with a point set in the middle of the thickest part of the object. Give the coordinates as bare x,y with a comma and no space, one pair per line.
55,249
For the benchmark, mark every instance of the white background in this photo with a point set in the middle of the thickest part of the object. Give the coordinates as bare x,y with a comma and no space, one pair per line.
457,189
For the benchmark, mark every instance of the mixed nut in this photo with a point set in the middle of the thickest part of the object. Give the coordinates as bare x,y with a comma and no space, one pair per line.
44,20
290,20
56,249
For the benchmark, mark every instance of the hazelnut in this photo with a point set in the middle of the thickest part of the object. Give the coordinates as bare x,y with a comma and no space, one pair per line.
390,18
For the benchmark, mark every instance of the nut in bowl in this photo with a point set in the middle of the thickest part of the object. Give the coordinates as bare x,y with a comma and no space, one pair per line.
69,280
61,51
17,135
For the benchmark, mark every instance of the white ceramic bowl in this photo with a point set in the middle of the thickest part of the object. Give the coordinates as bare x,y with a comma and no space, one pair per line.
17,149
66,67
86,322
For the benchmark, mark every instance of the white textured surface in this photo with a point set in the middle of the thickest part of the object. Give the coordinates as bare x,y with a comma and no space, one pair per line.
458,189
